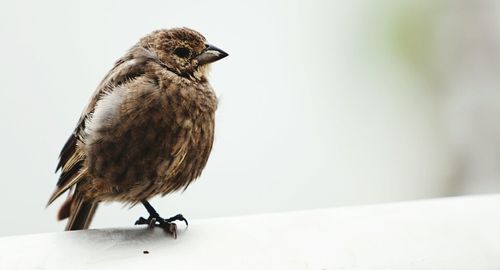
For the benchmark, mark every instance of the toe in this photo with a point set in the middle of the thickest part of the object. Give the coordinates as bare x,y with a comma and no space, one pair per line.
178,217
141,221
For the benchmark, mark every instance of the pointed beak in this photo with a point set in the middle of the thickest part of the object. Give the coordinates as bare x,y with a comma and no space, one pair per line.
210,55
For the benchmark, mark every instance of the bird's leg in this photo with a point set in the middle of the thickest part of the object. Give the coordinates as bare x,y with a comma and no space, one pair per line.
154,220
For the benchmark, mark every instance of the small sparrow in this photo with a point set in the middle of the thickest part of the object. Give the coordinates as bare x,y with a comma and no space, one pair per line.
148,129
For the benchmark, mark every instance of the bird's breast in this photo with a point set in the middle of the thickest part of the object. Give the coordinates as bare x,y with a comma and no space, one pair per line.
146,138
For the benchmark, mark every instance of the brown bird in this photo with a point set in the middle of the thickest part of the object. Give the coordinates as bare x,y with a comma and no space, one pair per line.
148,129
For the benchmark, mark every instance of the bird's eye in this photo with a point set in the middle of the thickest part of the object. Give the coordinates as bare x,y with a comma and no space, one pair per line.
182,52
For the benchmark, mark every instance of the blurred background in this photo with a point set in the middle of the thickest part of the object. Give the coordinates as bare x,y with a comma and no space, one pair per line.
322,103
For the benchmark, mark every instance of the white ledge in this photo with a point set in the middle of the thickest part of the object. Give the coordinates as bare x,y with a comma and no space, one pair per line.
453,233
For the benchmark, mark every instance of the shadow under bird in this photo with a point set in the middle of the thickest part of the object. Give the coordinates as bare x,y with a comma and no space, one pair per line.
148,129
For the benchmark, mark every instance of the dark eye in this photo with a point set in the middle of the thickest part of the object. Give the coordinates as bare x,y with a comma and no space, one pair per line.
182,52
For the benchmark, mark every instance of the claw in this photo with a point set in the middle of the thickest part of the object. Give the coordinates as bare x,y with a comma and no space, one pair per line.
152,223
178,217
141,221
170,228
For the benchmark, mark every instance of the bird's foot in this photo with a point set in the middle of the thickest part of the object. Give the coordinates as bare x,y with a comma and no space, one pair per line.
166,224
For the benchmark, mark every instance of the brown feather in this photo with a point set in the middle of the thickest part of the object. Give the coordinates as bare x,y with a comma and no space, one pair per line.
69,184
65,209
67,151
81,213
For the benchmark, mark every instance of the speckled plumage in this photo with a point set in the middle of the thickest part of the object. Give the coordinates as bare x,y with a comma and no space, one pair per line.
148,129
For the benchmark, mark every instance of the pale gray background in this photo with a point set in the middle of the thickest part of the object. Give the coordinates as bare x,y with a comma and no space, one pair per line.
322,103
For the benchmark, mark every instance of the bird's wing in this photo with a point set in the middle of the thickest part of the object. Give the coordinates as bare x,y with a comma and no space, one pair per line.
71,158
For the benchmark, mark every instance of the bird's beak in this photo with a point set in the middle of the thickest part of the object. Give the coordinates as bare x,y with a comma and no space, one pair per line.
210,55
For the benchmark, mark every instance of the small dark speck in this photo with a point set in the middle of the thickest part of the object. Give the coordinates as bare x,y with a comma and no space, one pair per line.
145,252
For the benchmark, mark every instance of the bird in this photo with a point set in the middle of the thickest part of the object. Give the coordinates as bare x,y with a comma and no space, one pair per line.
147,130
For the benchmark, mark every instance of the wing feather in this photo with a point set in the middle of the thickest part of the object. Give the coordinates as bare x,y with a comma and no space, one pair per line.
71,158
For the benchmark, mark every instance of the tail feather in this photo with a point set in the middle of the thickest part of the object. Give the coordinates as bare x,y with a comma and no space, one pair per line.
65,209
78,211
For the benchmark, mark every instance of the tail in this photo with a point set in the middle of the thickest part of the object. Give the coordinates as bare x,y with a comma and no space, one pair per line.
78,211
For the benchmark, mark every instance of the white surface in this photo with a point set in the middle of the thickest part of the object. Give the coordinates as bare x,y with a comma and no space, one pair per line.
455,233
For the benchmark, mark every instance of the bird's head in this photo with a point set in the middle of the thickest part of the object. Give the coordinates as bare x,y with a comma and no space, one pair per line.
183,51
